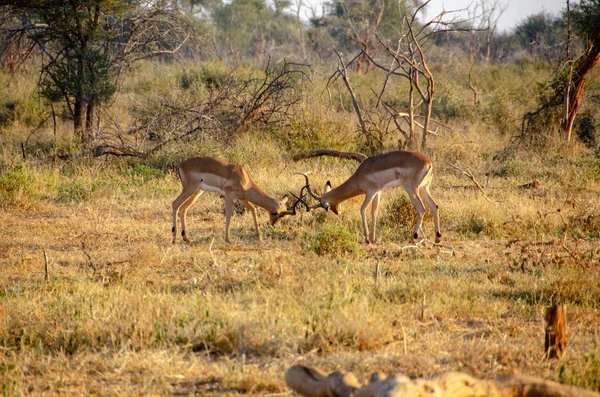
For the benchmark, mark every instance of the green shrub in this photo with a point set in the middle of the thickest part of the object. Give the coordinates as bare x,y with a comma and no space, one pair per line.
15,182
7,113
400,213
476,224
333,241
143,172
73,192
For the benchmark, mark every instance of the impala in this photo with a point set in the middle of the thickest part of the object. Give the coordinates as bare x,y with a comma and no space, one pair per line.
412,170
231,181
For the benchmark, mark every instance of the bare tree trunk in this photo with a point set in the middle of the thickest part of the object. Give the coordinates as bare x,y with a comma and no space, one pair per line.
299,5
573,95
343,73
89,116
78,119
411,113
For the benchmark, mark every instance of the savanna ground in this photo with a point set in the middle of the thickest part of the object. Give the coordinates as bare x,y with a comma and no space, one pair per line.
122,311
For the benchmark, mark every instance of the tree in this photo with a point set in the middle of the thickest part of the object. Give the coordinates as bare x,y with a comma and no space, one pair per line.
87,43
566,90
252,28
485,15
541,34
356,24
586,17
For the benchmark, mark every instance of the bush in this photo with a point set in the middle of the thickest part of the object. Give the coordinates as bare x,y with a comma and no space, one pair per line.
586,130
15,182
476,224
144,173
73,192
333,241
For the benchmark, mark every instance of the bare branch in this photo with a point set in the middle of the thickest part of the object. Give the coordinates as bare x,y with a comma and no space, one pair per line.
330,152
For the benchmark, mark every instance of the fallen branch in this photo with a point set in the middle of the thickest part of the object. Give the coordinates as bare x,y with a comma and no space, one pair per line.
101,150
330,152
470,175
312,382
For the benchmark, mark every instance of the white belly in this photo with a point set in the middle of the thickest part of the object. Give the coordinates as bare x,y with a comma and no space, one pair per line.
209,188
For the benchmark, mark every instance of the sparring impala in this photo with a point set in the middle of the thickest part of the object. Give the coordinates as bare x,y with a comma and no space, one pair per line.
231,181
412,170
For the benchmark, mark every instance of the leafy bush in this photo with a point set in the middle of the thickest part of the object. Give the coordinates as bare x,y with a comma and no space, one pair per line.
586,130
73,192
400,213
333,241
476,224
144,172
15,182
7,113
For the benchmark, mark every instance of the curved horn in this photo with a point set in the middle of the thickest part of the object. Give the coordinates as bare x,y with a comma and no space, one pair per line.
307,186
298,201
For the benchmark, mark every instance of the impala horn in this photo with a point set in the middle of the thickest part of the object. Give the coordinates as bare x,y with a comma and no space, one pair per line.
307,186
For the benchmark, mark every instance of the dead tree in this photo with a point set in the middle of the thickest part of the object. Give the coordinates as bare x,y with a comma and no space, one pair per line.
408,60
485,16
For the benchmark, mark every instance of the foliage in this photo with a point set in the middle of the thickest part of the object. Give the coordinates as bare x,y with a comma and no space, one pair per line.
87,44
333,241
15,182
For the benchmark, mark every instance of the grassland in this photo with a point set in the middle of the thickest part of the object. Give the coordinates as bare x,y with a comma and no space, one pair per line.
122,311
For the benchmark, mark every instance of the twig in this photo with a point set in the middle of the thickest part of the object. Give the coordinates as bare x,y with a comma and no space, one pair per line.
45,267
470,175
211,254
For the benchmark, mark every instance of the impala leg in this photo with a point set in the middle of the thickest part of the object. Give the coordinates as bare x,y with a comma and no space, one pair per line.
183,209
374,206
228,213
252,209
176,205
424,193
368,199
416,200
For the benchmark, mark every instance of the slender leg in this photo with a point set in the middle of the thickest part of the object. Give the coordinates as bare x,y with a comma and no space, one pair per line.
424,193
363,208
374,206
177,203
183,209
416,200
252,209
228,213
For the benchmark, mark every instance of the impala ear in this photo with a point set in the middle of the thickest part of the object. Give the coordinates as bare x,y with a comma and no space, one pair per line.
284,199
327,187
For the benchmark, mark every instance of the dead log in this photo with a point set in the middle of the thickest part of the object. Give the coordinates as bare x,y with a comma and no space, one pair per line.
97,151
555,341
532,185
330,152
314,383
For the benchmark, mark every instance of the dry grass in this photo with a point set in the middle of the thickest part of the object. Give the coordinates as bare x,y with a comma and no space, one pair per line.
121,311
125,312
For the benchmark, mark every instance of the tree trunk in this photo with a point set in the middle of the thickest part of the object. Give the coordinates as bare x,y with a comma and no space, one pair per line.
573,96
89,117
78,119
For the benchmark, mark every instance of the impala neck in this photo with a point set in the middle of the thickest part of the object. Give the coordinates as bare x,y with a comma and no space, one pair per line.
343,192
258,197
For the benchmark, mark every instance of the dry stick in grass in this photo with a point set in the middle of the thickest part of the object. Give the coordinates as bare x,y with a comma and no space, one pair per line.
211,253
45,268
555,341
312,382
470,175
